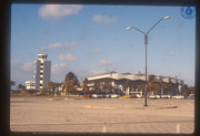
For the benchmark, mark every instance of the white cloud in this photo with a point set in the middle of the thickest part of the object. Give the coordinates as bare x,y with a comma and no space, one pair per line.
56,68
21,72
96,72
55,12
104,63
58,72
59,45
104,19
67,57
26,67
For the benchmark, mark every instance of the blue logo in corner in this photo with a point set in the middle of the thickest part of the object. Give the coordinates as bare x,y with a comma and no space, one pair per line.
188,11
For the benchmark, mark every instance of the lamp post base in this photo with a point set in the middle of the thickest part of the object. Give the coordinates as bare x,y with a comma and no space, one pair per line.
145,105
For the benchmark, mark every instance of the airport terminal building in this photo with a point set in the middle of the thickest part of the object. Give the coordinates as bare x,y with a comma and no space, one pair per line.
119,80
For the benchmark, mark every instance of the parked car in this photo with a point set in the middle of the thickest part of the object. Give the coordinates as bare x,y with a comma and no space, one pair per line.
178,97
132,96
154,96
94,96
100,96
191,96
114,96
126,96
107,95
87,96
166,96
138,96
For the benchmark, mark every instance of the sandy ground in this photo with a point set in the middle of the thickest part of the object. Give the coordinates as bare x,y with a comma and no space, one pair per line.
105,115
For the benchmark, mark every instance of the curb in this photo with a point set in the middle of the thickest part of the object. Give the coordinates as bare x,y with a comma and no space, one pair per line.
138,108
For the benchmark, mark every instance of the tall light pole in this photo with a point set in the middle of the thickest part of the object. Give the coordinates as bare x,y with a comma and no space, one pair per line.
146,42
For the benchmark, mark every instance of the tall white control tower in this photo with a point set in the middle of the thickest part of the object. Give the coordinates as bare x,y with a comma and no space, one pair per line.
42,72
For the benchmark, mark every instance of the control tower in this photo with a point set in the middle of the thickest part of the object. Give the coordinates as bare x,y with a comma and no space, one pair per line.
42,72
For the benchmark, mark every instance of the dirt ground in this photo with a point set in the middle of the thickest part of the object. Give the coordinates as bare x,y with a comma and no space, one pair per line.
105,115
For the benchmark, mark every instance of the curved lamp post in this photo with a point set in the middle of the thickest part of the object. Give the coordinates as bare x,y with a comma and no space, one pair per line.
146,42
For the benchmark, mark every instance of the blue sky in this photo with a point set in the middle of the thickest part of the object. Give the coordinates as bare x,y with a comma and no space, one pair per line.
91,39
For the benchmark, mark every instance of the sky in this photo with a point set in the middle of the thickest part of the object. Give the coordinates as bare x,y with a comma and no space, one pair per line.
92,39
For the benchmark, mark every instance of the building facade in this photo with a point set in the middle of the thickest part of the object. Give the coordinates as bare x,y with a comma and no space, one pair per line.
42,72
130,83
30,85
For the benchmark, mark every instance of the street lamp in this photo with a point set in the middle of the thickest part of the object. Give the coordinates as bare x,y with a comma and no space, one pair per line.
146,42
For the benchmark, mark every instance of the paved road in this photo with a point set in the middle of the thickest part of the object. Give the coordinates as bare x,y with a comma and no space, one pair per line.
60,114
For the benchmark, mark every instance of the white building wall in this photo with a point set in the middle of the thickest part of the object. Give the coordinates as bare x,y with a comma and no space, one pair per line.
47,73
42,72
30,85
37,74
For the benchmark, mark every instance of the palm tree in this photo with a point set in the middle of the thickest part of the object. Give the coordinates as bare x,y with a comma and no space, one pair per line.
132,85
107,86
59,87
23,88
50,86
97,87
152,83
19,87
163,86
127,85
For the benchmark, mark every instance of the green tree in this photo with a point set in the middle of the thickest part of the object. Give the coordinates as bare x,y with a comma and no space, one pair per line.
19,87
191,89
85,87
97,87
71,82
133,86
163,86
107,86
118,91
23,88
184,89
51,87
59,87
140,86
152,83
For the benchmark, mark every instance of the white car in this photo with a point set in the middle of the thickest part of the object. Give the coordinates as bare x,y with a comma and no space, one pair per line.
154,96
178,97
100,95
94,95
107,96
138,95
114,96
165,96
